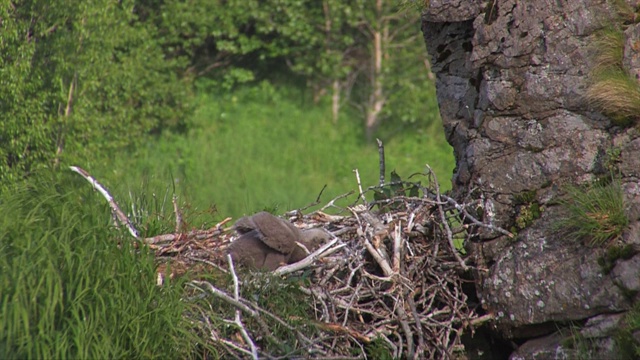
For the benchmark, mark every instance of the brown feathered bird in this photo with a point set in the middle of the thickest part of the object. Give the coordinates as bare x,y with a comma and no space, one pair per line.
267,242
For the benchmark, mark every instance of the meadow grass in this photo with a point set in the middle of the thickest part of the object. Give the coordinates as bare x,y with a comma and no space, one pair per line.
263,147
74,287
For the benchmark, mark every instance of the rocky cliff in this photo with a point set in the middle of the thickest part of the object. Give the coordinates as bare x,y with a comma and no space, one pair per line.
512,84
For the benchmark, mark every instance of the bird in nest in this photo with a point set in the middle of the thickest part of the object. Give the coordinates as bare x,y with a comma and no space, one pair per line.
266,242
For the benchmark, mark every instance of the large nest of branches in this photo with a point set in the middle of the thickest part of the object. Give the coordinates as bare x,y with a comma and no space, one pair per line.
390,283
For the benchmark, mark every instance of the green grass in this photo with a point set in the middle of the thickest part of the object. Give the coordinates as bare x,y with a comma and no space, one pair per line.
265,147
627,343
597,213
73,287
613,91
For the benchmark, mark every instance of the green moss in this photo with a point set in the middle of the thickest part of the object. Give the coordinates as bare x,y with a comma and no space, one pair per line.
524,197
624,252
527,215
612,159
608,260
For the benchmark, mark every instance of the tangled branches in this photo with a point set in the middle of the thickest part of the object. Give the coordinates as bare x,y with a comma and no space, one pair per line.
390,283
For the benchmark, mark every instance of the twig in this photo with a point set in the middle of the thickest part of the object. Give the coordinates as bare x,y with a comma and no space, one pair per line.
332,202
176,211
397,247
307,261
238,320
445,223
225,297
382,163
482,319
386,269
122,218
316,202
360,186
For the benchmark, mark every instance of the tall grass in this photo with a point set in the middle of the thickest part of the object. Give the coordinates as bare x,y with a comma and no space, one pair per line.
596,213
613,90
73,287
265,147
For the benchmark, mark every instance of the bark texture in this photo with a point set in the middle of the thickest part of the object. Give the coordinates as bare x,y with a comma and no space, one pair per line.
511,79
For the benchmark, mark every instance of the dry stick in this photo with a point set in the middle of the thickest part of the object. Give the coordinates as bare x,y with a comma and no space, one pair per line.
176,210
122,218
316,202
475,221
386,269
397,247
445,223
283,270
382,164
224,296
360,185
416,318
237,320
215,337
402,316
332,202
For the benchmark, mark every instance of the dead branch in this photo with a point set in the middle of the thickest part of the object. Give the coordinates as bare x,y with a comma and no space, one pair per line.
392,276
120,216
381,160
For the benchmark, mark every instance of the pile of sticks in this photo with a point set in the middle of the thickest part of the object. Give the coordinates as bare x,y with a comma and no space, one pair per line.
391,278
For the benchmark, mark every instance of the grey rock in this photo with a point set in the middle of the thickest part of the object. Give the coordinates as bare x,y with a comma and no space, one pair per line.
453,10
511,79
625,273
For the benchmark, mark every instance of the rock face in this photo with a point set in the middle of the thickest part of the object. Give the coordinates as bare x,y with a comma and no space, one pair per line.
511,83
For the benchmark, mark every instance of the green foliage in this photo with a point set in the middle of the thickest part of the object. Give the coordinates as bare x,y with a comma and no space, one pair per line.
73,287
626,338
280,297
80,78
527,214
613,90
612,159
627,14
384,196
327,43
527,210
261,147
596,213
378,349
579,346
608,261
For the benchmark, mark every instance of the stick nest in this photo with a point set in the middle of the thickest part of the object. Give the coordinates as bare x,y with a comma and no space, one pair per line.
390,283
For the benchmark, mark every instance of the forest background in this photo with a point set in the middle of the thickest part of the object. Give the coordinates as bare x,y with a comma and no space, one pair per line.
236,106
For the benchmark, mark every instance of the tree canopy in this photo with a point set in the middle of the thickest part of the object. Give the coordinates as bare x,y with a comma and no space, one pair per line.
78,79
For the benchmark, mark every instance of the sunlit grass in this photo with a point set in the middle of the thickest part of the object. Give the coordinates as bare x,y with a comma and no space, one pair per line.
613,90
72,287
596,214
264,147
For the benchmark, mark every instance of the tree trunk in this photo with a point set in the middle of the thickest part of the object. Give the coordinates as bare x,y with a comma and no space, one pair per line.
377,97
335,100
